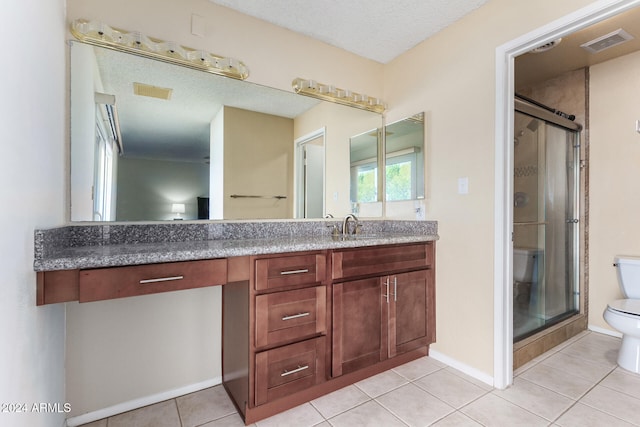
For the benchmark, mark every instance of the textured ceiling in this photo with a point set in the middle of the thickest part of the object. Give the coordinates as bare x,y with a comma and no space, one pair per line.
376,29
179,128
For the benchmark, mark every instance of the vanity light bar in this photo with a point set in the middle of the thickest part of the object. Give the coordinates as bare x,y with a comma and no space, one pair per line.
100,34
340,96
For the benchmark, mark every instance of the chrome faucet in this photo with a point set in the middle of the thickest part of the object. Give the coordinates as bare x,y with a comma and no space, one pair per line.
345,224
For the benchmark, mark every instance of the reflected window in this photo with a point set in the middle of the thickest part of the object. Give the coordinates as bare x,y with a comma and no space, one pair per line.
404,159
103,206
363,150
365,178
401,178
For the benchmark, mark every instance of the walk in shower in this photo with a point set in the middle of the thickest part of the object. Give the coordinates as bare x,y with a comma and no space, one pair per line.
545,218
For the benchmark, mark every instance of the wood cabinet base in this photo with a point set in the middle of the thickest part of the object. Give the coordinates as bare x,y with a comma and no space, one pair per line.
252,415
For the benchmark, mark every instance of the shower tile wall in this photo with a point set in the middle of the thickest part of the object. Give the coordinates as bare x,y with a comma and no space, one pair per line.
526,166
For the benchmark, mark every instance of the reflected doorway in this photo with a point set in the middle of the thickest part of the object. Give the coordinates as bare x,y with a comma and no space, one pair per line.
310,165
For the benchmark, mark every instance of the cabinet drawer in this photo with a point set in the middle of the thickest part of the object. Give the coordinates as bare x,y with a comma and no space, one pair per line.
289,369
117,282
380,260
296,270
290,315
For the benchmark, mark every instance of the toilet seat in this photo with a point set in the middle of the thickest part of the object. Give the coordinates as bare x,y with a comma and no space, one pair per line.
626,306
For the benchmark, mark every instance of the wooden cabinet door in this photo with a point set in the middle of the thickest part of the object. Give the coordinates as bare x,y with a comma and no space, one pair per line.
410,311
360,334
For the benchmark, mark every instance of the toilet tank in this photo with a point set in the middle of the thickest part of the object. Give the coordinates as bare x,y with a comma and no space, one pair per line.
629,275
525,263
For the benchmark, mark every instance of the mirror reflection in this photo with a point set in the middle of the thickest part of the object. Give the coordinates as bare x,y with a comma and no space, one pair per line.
404,159
147,135
404,165
364,189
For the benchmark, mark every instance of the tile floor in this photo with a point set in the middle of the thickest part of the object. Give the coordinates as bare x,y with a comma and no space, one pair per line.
574,384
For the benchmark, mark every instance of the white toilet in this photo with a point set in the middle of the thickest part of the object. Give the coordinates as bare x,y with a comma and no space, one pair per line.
624,314
525,263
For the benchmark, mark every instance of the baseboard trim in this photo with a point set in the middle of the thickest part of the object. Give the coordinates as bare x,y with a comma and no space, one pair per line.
140,402
462,367
604,331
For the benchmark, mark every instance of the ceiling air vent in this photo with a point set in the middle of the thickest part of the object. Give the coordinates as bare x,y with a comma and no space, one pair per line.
608,40
151,91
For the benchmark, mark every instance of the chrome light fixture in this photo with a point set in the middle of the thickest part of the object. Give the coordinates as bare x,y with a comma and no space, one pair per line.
100,34
340,96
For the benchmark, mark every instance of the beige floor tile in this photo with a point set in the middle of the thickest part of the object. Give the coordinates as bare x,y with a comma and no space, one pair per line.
418,368
577,366
450,388
614,403
596,348
229,421
301,416
624,382
203,406
370,414
163,414
414,406
469,378
381,383
492,411
457,419
99,423
585,416
558,380
535,399
340,401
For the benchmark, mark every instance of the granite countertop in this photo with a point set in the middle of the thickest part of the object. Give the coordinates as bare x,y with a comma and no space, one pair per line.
70,253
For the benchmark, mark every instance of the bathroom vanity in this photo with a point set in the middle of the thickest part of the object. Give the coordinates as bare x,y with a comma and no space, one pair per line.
302,316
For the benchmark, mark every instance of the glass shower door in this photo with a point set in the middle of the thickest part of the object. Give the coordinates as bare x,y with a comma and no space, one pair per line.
545,238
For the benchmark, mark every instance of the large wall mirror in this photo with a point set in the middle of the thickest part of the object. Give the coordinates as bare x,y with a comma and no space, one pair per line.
401,153
154,141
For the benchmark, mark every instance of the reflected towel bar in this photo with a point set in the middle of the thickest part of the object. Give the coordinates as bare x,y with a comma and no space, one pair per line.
244,196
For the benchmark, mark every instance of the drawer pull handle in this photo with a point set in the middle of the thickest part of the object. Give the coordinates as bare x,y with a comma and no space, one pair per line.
295,316
284,273
386,284
294,371
395,288
161,279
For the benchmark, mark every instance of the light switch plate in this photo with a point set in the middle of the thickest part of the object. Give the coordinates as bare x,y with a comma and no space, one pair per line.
463,185
197,25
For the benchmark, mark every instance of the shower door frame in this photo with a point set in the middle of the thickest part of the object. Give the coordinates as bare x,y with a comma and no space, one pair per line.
528,109
503,177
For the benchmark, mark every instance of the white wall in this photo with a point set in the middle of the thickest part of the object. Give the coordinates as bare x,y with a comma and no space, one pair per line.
147,188
33,176
614,228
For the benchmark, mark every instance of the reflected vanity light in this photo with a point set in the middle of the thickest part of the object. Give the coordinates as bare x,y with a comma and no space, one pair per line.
100,34
339,96
178,208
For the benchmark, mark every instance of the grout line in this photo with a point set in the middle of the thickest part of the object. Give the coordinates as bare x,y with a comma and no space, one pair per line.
175,402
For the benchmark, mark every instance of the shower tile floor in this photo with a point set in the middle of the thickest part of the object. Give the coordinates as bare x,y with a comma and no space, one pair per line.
575,384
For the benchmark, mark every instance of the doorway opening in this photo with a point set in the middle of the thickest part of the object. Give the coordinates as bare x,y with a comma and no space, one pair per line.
504,164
